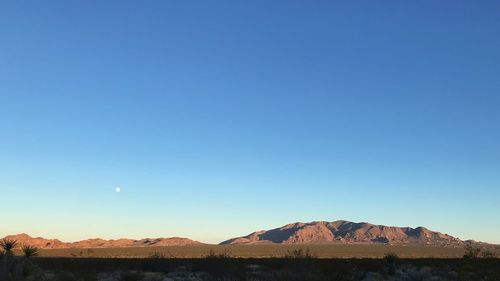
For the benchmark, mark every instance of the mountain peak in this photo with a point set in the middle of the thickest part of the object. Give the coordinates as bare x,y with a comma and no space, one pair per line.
342,231
19,236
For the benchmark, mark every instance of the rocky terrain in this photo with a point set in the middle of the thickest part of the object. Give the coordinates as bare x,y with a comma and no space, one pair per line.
341,232
346,232
42,243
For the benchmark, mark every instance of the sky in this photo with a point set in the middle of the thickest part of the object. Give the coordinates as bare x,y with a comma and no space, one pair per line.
217,119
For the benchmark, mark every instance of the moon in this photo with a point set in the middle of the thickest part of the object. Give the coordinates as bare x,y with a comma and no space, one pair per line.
118,189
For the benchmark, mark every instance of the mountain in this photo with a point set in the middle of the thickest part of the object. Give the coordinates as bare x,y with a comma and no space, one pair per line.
345,232
42,243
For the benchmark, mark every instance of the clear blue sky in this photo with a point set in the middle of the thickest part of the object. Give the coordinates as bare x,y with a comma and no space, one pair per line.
220,118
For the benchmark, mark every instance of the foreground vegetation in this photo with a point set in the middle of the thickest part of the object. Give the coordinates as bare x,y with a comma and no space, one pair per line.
91,269
22,263
264,251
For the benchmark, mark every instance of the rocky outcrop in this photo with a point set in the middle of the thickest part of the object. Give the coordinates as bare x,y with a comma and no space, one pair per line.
346,232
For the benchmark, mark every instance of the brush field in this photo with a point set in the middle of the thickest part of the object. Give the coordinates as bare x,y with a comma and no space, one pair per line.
263,251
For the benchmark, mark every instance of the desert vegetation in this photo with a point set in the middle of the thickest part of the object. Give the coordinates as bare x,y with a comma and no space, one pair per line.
17,267
300,254
268,269
264,251
23,263
474,252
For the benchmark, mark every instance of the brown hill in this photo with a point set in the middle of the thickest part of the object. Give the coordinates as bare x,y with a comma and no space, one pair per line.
42,243
345,232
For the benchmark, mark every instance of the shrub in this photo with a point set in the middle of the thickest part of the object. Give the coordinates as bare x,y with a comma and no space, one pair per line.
8,245
213,255
391,257
300,254
471,252
29,251
487,254
157,255
16,268
131,276
9,262
391,260
160,255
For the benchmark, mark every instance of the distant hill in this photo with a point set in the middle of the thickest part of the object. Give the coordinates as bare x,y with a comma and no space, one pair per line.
346,232
25,239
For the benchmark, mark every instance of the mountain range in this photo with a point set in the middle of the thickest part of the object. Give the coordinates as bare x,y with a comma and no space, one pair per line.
42,243
345,232
318,232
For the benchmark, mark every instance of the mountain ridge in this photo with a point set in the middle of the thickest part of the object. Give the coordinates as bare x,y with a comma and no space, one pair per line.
315,232
43,243
345,232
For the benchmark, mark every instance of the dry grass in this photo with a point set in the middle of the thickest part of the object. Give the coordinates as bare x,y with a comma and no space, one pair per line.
263,251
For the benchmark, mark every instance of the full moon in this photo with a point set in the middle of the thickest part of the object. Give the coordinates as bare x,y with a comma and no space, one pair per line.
118,189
